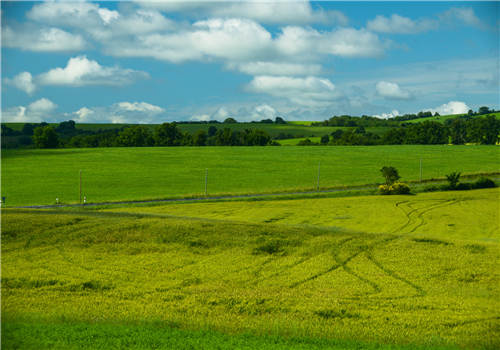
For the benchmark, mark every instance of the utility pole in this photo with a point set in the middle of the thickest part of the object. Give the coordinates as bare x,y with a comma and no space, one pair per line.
319,170
80,187
206,181
420,169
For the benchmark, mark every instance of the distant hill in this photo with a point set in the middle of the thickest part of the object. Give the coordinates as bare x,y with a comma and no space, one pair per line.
442,118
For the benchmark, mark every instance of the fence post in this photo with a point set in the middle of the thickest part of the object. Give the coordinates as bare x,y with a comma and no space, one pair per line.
206,181
319,170
80,187
420,169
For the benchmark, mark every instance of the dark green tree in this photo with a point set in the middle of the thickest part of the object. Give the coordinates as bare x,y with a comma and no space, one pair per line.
135,136
230,121
45,137
167,134
212,130
200,138
390,174
458,131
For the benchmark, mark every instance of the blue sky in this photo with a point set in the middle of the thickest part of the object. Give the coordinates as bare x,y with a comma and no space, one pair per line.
150,62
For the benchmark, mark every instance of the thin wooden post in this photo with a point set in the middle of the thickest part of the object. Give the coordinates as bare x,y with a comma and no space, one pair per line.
206,181
319,171
420,169
80,187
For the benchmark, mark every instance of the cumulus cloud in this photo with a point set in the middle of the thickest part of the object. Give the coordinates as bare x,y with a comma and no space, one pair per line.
31,38
121,112
400,25
231,39
392,114
465,15
272,12
101,23
37,111
23,81
80,71
452,107
344,42
393,91
200,118
309,91
264,111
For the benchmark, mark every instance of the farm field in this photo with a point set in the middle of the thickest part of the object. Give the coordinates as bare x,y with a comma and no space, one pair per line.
112,174
370,272
295,141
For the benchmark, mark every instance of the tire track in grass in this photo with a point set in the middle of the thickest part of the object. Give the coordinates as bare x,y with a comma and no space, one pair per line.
343,263
369,249
419,216
299,261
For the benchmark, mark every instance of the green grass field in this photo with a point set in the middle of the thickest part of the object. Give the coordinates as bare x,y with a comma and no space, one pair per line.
113,174
295,141
373,272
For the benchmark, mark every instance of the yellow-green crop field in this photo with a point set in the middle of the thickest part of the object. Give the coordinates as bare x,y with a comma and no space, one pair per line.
417,271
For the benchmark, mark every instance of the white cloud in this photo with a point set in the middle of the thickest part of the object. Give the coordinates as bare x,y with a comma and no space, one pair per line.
121,112
401,25
273,12
139,107
392,91
452,107
309,91
200,118
31,38
37,111
81,71
392,114
220,114
264,111
74,14
276,68
42,105
101,23
462,14
232,39
23,81
344,42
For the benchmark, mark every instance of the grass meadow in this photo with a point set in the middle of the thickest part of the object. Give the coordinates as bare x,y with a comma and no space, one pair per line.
113,174
373,272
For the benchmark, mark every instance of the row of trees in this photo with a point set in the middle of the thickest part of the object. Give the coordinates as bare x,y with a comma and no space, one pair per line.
368,121
457,131
166,134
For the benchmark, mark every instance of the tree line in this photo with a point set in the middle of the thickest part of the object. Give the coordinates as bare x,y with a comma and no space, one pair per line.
167,134
457,131
369,121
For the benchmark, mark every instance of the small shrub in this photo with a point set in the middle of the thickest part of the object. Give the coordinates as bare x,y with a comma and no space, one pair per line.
434,188
395,188
273,247
484,182
384,189
400,188
462,187
453,179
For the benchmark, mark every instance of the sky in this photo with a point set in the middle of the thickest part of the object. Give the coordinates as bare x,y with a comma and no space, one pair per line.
160,61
